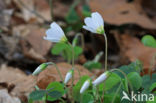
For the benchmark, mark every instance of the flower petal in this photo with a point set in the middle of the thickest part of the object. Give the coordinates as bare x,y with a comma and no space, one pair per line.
51,39
55,33
98,20
85,86
101,78
88,21
56,27
68,77
89,29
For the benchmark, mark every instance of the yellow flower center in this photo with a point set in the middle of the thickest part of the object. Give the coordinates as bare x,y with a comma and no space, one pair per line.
63,39
100,30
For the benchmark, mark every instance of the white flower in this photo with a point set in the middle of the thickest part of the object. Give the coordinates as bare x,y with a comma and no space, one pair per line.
94,23
68,76
85,86
101,78
55,34
40,68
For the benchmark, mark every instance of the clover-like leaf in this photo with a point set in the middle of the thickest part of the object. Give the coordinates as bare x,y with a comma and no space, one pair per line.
149,40
37,94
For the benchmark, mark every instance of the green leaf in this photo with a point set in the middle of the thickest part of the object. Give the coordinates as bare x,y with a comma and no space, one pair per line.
149,40
58,48
153,86
77,51
55,94
72,17
30,100
87,98
78,86
112,81
148,81
37,94
92,65
135,80
109,97
133,67
125,84
66,51
152,101
56,87
86,11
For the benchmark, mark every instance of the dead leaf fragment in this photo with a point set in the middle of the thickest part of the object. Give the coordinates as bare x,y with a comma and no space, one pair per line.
23,84
133,49
120,12
32,43
6,98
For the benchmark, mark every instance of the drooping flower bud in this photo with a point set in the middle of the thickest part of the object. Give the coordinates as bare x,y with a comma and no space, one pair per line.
68,76
40,68
85,86
101,78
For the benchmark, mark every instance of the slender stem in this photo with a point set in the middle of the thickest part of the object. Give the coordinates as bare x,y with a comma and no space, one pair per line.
46,98
76,38
73,71
116,92
97,92
98,56
152,63
57,70
72,62
62,100
103,92
124,76
75,3
51,9
106,49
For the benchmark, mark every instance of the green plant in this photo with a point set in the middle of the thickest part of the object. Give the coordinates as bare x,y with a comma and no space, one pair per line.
66,50
149,40
123,84
94,64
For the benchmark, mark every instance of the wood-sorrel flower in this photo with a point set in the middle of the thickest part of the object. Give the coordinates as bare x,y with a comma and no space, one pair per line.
68,76
40,68
101,78
55,34
95,23
85,85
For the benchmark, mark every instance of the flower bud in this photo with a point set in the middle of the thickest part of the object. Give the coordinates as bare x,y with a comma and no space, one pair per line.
68,76
101,78
85,86
40,68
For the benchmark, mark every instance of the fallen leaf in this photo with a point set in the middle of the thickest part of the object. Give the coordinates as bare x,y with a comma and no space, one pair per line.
32,42
26,6
133,49
6,98
23,84
50,74
120,12
39,10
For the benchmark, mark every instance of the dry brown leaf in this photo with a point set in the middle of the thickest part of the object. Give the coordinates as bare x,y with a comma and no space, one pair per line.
120,12
39,10
5,15
23,84
50,74
133,49
30,11
6,98
33,44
